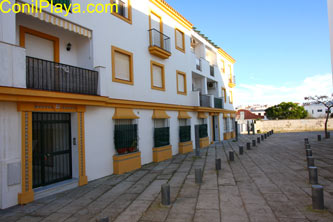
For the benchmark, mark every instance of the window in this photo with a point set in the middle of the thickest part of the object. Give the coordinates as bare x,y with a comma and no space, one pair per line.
161,132
184,130
157,76
319,110
122,66
181,83
156,27
230,70
231,99
225,125
180,40
126,136
64,3
223,66
224,94
124,10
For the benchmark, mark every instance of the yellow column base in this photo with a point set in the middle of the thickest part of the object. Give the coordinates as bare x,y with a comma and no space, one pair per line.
83,180
185,147
204,142
126,163
162,153
26,197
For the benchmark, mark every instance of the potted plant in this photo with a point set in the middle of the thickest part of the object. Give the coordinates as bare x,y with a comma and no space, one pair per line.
133,147
121,150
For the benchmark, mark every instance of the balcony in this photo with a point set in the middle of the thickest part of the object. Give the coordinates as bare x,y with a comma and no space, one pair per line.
159,44
218,103
52,76
205,100
198,64
232,82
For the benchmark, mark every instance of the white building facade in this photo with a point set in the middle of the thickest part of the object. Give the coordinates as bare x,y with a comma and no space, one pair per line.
85,96
316,110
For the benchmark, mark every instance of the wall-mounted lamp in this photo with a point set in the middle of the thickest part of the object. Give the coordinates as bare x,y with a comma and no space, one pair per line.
69,46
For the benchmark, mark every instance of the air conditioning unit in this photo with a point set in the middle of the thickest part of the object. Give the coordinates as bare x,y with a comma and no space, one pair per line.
212,85
193,42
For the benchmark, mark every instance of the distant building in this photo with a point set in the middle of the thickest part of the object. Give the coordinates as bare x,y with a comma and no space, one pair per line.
315,110
256,109
245,119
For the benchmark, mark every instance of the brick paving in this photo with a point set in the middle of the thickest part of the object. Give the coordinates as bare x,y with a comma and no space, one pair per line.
267,183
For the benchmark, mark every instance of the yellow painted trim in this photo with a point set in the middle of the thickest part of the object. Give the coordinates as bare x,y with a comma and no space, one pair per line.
202,115
162,153
185,82
55,40
183,40
48,107
226,55
204,142
185,147
212,129
126,163
152,63
161,28
160,114
27,193
173,13
224,93
115,49
83,179
183,115
129,12
121,113
231,99
223,66
11,94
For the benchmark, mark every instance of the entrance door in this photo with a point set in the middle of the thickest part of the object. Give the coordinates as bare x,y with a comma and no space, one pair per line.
51,144
215,128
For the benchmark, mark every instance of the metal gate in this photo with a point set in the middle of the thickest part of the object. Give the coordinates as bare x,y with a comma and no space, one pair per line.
52,153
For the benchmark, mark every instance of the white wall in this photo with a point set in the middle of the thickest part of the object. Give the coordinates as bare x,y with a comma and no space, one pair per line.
313,110
10,151
12,65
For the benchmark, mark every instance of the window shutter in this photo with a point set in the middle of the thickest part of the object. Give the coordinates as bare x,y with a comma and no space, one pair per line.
179,39
122,66
157,76
181,83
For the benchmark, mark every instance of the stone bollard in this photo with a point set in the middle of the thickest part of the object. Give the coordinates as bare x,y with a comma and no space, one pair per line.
248,146
258,140
265,136
310,161
317,197
106,219
254,143
328,135
241,150
262,137
319,137
231,155
313,175
218,164
272,131
306,140
308,152
198,176
165,194
307,146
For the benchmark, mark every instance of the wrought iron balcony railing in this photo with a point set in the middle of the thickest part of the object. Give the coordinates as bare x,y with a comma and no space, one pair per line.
52,76
218,103
160,40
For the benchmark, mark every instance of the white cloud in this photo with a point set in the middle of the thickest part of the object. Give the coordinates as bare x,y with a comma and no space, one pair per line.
268,94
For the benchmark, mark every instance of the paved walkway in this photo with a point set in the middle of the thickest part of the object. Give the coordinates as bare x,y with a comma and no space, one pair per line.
267,183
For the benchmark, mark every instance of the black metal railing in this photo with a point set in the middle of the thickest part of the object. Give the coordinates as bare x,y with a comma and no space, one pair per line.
161,136
212,71
218,103
204,100
126,138
232,80
52,76
159,39
198,64
203,132
184,133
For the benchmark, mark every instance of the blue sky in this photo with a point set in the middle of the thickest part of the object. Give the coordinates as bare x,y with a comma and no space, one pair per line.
277,43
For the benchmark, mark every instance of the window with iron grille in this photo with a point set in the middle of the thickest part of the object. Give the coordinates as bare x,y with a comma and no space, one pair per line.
203,132
126,136
161,132
62,2
184,130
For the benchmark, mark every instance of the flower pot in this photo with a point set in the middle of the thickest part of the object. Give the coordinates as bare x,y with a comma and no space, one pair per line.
122,150
131,149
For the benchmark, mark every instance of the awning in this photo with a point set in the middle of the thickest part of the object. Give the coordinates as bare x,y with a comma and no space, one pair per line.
226,115
55,20
202,116
233,115
121,113
213,114
160,114
183,115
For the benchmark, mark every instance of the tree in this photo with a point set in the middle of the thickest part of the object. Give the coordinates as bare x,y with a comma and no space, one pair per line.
327,102
286,110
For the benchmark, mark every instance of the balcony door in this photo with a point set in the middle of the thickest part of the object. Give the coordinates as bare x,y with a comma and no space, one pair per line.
39,45
156,26
215,128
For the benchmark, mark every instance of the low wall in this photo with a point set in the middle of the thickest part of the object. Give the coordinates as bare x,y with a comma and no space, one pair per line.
298,125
